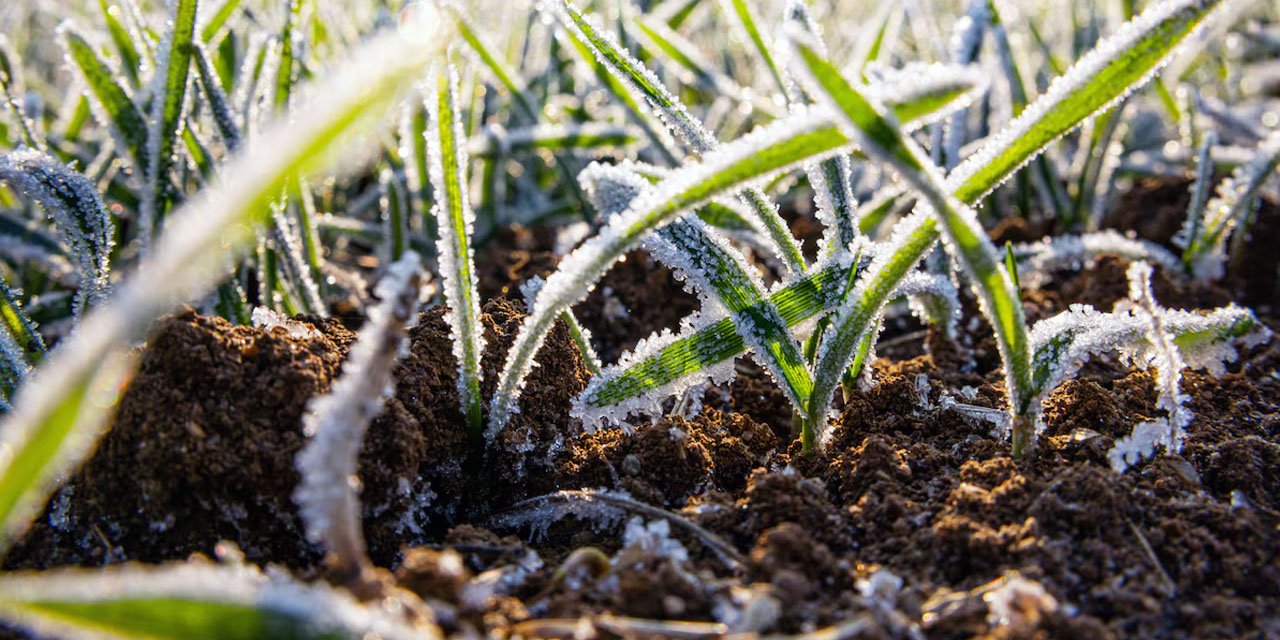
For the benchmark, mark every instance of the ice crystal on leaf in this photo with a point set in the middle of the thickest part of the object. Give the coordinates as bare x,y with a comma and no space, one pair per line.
77,211
1228,212
336,422
1038,261
1163,356
446,148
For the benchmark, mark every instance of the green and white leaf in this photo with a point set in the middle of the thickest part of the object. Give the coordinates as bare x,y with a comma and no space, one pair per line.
455,221
193,602
168,100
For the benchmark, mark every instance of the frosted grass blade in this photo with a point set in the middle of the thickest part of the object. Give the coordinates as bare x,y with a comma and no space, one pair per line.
1227,213
455,221
337,421
112,105
1193,226
1118,64
745,20
719,272
9,81
168,99
192,602
78,213
130,59
577,137
882,141
677,118
219,105
15,321
1065,342
56,420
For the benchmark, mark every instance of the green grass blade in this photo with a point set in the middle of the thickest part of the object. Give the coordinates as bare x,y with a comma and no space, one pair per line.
747,21
652,369
686,127
19,325
9,91
112,105
212,29
81,218
52,427
286,72
130,59
584,137
1048,182
190,602
455,221
1101,78
169,93
715,269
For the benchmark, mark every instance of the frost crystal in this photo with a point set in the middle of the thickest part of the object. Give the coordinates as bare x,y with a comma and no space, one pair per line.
1165,359
1038,261
1081,73
336,422
269,320
456,222
1229,210
77,211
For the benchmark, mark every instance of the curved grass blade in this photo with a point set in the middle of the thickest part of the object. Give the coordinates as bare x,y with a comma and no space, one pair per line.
1047,180
168,98
219,105
1193,226
718,272
111,104
54,424
1063,343
882,140
9,81
678,119
578,137
747,22
192,602
337,421
565,164
1100,79
130,58
78,213
455,221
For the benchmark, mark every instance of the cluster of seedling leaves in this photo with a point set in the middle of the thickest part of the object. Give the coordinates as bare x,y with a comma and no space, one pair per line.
200,147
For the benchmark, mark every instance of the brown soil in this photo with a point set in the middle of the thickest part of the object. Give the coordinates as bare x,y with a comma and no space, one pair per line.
915,523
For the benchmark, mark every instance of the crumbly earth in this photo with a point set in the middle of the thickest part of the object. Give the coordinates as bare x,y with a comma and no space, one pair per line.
916,522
